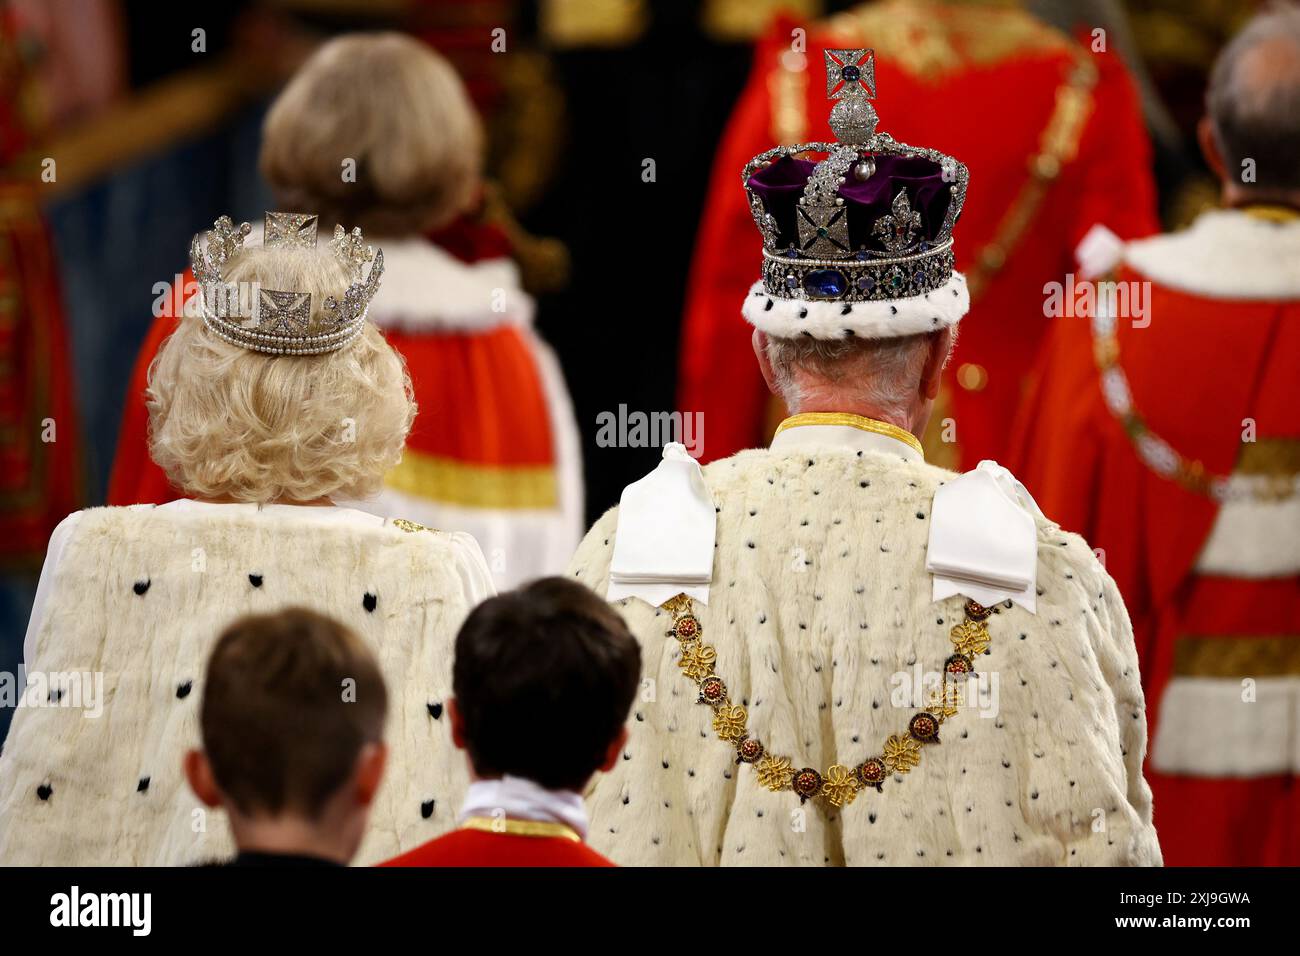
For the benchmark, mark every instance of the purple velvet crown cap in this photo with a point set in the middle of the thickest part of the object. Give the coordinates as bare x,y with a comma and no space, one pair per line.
780,185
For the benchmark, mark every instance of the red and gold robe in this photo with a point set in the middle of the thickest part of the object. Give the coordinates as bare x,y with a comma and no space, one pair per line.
1053,138
1123,435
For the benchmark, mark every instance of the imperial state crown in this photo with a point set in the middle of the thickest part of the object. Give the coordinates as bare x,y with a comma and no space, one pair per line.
859,243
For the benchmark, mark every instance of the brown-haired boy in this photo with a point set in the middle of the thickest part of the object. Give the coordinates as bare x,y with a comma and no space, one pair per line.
543,680
292,721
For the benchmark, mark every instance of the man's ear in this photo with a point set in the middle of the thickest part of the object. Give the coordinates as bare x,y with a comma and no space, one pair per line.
614,751
1209,144
370,771
935,360
198,771
759,338
457,724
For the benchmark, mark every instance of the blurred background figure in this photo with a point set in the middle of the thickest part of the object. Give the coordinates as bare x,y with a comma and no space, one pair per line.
494,451
1168,433
40,445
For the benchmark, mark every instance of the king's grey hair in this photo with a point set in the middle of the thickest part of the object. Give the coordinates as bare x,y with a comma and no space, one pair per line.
1254,105
883,374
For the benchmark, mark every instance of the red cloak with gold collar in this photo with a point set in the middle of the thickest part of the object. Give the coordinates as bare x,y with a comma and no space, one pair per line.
1126,435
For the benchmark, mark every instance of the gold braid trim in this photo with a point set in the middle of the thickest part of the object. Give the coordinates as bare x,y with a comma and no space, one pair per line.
1057,145
1237,656
838,786
527,828
787,88
852,421
1273,466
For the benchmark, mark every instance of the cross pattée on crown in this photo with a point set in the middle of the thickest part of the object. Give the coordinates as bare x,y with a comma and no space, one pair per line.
850,73
851,82
290,229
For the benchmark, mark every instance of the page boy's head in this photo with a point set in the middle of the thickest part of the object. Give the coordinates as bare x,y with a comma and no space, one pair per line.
543,680
292,721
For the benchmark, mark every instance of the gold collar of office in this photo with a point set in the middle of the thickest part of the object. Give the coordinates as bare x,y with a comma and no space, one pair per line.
851,421
1271,212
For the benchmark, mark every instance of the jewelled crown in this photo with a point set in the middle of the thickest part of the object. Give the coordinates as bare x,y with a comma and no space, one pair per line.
280,322
870,223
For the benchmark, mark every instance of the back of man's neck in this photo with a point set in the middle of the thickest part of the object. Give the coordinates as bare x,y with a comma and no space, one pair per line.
1235,197
284,837
814,405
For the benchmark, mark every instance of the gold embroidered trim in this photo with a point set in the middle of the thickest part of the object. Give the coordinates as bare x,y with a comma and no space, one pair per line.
1272,457
1058,145
1237,656
931,42
408,526
839,785
787,88
1270,213
526,828
852,421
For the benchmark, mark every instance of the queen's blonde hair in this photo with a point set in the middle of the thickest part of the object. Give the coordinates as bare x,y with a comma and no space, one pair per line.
229,423
398,112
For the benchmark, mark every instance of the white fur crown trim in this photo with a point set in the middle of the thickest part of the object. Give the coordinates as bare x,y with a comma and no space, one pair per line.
837,319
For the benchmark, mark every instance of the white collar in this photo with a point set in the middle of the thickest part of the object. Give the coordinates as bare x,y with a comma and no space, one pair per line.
1224,254
427,288
516,798
846,431
314,513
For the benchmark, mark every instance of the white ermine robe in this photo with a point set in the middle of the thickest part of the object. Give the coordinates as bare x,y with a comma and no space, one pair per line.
140,595
819,598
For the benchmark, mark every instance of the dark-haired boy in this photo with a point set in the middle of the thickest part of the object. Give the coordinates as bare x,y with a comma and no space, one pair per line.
292,721
543,680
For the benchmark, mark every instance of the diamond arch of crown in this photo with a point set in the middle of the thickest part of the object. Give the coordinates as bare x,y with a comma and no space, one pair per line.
905,267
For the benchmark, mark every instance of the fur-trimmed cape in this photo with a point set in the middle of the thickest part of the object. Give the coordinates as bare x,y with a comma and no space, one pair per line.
140,595
820,605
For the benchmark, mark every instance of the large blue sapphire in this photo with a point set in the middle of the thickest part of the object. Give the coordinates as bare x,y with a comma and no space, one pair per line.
825,283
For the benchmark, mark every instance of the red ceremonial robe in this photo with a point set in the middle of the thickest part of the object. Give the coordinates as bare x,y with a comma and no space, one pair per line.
1213,588
522,843
40,452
